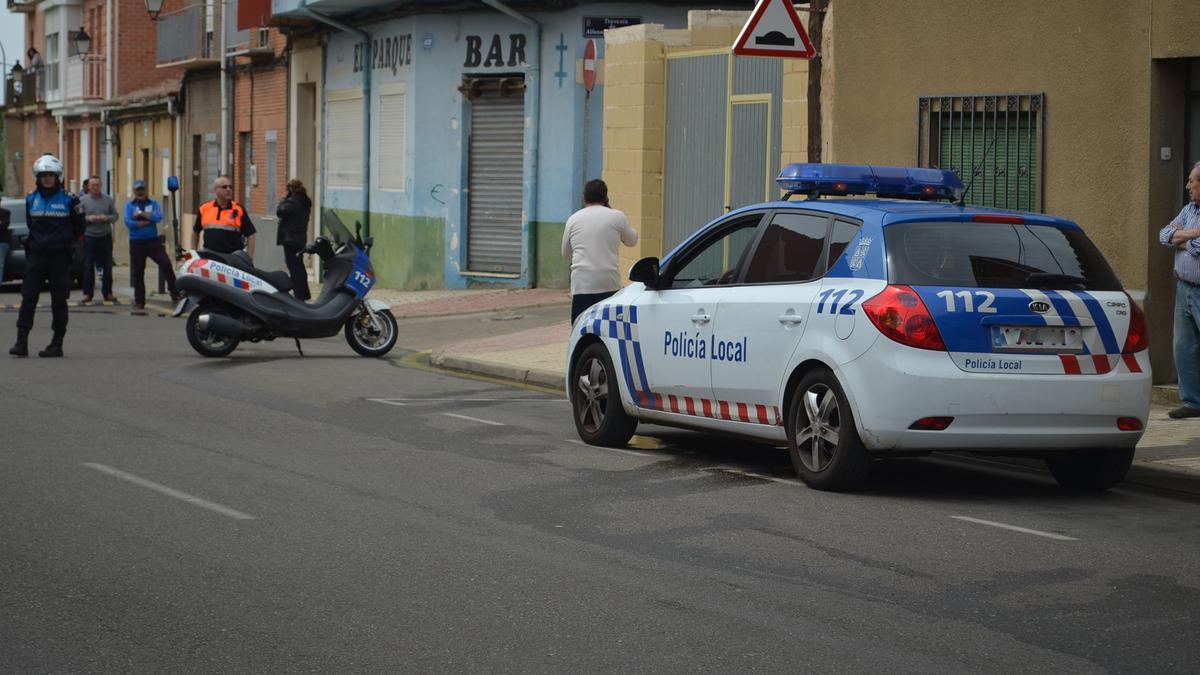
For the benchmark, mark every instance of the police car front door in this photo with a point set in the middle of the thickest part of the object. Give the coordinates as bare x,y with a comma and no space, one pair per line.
761,321
676,321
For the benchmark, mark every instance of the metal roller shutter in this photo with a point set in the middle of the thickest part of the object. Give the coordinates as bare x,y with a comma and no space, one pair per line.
495,182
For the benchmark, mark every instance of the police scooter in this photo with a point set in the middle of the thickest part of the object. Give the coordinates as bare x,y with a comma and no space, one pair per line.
231,300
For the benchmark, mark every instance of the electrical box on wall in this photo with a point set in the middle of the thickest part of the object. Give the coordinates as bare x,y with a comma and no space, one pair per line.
253,175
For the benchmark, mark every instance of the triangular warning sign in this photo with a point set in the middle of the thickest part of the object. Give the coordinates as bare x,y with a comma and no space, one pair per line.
774,29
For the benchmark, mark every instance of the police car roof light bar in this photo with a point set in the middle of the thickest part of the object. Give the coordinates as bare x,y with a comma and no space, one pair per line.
895,182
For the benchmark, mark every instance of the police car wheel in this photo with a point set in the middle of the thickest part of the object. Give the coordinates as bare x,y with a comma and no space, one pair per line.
823,442
1093,470
208,344
596,400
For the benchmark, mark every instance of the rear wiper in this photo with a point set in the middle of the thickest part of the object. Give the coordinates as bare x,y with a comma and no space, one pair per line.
1050,280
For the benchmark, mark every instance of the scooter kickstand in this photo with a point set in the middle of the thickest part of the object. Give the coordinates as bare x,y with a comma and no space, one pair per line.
298,346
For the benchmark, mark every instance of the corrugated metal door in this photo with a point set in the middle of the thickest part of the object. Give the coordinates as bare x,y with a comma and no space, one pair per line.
495,179
750,138
694,161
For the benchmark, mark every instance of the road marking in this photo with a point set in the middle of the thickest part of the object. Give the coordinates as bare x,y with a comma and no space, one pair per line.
1014,528
475,419
774,479
170,492
388,401
623,451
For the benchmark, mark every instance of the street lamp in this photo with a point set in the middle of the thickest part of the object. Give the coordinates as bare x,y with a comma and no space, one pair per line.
83,42
153,7
17,74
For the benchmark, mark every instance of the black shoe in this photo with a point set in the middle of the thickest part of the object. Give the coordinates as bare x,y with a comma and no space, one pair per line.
52,350
1183,412
20,348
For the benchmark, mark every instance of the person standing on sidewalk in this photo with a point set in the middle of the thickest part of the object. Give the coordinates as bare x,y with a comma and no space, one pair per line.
293,214
100,213
142,215
1183,234
55,223
5,236
591,239
225,224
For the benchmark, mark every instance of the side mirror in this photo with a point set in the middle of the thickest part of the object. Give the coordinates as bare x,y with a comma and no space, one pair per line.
645,271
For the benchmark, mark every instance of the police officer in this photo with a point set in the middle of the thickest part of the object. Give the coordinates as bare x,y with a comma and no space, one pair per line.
56,221
225,224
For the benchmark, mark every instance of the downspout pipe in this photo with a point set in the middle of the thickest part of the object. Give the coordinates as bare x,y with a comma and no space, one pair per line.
534,117
366,86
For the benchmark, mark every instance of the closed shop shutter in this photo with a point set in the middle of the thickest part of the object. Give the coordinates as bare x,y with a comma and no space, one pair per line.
391,136
344,139
495,181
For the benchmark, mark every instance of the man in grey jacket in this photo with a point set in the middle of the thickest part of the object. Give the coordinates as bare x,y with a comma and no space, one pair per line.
100,213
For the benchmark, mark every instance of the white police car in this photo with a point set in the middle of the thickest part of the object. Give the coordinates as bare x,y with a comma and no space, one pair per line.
860,328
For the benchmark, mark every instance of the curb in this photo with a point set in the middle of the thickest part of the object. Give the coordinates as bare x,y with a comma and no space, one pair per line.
478,312
534,376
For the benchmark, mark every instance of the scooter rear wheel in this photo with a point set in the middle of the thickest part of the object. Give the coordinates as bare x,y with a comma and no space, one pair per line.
370,340
205,343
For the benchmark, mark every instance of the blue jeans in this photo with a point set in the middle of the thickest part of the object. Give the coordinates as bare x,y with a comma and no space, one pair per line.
4,246
1187,342
97,251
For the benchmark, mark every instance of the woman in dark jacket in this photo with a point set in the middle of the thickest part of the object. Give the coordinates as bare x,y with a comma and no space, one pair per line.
293,214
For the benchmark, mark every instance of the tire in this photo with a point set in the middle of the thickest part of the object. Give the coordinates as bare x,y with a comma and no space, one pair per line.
595,397
206,344
364,338
1093,470
827,452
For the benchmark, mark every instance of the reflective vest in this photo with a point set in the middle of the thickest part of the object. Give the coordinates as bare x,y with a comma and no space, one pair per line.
229,218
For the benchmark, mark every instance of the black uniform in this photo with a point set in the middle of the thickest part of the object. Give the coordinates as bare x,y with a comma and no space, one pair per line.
56,222
293,214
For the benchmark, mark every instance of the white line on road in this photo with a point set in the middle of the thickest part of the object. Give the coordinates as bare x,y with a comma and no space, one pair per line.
1014,528
170,492
402,401
635,453
388,401
475,419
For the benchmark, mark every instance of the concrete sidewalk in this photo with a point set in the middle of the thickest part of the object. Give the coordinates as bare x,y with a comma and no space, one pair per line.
1168,455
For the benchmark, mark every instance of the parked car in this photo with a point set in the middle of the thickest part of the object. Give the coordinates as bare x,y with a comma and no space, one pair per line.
855,329
14,266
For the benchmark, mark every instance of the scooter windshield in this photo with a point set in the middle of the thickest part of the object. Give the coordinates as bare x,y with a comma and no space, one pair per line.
338,232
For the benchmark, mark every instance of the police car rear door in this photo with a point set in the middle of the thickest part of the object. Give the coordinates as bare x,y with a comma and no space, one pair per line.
761,320
1016,295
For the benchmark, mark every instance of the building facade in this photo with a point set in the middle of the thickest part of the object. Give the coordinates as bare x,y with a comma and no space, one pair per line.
1090,112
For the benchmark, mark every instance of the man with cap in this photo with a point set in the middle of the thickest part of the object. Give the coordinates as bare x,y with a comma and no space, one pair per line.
55,221
225,224
142,215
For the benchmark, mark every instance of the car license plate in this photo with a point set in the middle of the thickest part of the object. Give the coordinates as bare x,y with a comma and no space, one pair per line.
1049,339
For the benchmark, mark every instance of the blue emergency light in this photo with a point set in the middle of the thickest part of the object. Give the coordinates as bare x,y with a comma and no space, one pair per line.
897,182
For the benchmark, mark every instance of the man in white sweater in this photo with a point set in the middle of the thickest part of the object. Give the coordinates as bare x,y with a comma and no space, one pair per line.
591,240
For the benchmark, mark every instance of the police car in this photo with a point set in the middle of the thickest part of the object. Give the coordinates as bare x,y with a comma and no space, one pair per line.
858,328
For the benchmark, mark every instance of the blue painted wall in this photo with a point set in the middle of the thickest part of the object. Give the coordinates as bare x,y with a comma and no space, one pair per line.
435,141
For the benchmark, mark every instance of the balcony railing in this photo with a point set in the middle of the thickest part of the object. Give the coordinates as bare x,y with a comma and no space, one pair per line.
85,79
24,90
184,37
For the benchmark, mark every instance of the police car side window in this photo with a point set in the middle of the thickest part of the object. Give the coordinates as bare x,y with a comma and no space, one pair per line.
716,262
843,233
791,249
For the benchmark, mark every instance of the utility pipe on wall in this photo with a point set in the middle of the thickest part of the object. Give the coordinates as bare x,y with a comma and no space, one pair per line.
224,162
535,94
366,86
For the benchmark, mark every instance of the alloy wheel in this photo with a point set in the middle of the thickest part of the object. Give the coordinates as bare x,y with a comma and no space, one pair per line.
818,427
592,396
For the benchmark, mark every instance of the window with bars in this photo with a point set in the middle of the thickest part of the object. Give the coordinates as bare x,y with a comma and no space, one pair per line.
993,141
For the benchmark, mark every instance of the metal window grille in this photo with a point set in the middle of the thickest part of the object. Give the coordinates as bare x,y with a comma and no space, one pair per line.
994,142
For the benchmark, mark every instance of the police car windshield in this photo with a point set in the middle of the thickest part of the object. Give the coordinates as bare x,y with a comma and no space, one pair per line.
337,231
995,255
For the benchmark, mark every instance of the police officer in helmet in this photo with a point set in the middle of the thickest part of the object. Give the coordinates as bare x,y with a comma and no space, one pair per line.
56,221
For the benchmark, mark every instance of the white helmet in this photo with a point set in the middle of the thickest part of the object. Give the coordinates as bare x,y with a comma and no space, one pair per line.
48,163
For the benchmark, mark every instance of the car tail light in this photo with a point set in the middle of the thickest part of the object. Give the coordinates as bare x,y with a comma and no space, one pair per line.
1139,331
899,314
996,218
1129,424
932,423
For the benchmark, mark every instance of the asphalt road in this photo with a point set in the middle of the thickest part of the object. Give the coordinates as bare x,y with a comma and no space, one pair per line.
267,512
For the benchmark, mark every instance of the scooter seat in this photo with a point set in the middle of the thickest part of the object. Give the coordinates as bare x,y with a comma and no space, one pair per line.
279,279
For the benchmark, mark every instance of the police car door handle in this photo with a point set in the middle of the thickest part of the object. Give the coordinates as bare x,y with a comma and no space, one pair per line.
791,319
701,318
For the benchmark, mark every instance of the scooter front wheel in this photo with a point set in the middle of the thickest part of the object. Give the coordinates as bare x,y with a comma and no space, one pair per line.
372,334
206,343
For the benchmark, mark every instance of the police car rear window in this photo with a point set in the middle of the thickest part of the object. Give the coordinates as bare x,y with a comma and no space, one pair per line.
995,255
